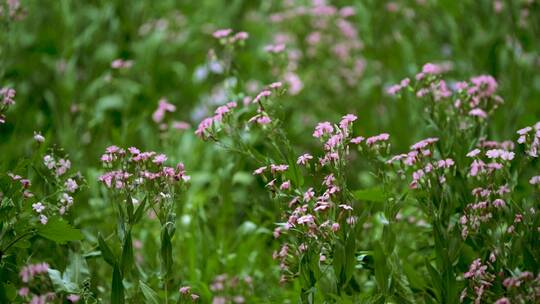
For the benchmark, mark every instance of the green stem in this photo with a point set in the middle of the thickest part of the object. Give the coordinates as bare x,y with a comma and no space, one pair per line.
16,240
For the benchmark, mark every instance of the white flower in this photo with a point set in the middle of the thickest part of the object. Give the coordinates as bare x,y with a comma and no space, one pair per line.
38,207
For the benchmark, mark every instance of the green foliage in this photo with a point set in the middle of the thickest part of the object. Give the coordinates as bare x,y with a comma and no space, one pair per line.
60,231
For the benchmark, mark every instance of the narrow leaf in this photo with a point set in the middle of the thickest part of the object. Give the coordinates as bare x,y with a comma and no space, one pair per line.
149,294
117,288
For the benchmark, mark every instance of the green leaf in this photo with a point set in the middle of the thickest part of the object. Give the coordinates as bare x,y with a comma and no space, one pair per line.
8,292
149,294
106,252
381,271
77,270
60,283
60,231
166,252
127,261
139,211
374,194
117,288
350,257
339,261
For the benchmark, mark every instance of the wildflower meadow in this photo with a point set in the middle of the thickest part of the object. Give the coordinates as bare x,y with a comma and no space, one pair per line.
280,151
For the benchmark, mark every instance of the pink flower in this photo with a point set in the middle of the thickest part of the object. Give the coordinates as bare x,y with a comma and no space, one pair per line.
477,112
222,33
476,270
295,84
24,291
73,298
275,85
241,36
180,125
204,125
261,95
159,159
484,85
185,290
377,138
476,167
134,150
121,64
393,90
308,195
112,149
304,159
306,219
323,128
473,153
347,120
7,95
259,171
71,185
335,227
278,168
357,140
285,186
347,11
433,69
503,300
333,141
499,203
28,272
163,107
264,120
535,180
278,48
524,131
424,143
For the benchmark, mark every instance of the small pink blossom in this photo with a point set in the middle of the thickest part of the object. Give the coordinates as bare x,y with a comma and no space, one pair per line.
304,159
159,159
535,180
323,128
259,171
222,33
477,112
285,185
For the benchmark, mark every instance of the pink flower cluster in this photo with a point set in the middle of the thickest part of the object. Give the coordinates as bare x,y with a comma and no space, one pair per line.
28,272
332,32
7,96
530,138
118,64
520,287
137,168
475,98
226,36
479,279
204,130
163,107
59,167
315,214
185,291
433,69
425,171
228,289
